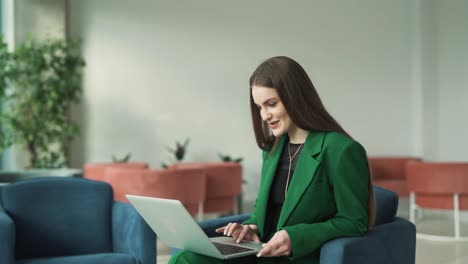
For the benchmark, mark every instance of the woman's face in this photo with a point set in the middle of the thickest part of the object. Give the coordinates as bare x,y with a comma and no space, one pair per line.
272,110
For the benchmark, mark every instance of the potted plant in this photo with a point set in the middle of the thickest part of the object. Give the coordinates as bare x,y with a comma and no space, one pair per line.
179,152
39,82
228,158
125,159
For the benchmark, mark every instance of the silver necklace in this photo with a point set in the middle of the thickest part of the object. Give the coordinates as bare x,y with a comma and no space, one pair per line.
290,164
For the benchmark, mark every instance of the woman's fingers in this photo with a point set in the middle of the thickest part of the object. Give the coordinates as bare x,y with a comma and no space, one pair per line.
273,250
267,250
220,230
254,237
230,229
245,232
279,245
224,229
239,232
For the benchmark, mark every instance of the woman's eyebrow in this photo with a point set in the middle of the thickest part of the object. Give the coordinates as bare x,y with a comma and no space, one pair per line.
269,100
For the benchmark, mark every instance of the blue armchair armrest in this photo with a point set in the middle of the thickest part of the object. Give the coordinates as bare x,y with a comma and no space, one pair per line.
7,238
393,242
131,234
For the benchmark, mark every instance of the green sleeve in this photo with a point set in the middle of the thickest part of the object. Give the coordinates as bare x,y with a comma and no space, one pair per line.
349,177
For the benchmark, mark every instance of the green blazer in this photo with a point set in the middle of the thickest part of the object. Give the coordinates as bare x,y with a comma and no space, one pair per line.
328,195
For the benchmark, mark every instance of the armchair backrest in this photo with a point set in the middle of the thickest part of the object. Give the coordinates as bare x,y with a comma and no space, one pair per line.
389,167
186,185
96,171
59,216
435,183
223,183
386,203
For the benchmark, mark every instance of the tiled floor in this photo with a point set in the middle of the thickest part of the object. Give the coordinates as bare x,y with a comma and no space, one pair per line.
436,252
427,252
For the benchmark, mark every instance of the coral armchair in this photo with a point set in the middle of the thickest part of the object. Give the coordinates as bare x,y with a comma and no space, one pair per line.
223,184
439,185
96,171
186,185
390,173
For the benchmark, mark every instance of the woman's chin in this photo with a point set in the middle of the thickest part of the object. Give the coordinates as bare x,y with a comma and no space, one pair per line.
277,132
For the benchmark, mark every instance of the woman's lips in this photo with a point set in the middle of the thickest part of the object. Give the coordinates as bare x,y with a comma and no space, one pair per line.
273,124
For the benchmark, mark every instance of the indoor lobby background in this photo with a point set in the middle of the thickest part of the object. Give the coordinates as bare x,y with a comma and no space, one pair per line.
392,72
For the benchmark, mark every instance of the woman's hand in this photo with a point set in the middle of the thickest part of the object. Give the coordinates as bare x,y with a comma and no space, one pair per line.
240,232
279,245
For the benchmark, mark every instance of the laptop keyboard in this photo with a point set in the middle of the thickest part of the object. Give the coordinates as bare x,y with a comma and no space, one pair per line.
226,249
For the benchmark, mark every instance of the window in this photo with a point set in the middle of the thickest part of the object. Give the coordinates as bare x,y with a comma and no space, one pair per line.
1,32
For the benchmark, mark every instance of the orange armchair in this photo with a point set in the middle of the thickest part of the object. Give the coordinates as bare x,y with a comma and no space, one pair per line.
439,186
390,173
186,185
224,185
95,171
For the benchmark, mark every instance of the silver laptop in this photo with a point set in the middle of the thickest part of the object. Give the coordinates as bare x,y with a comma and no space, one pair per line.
176,228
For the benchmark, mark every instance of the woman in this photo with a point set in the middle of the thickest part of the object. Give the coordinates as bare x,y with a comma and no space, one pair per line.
315,183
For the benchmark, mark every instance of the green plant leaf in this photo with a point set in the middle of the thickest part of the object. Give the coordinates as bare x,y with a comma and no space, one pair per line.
39,82
125,159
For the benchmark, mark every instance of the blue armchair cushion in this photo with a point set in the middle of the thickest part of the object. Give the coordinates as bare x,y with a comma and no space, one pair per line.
104,258
393,242
131,234
7,237
386,205
59,218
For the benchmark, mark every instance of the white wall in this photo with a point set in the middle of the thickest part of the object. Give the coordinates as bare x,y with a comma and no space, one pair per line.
161,71
428,79
40,19
452,79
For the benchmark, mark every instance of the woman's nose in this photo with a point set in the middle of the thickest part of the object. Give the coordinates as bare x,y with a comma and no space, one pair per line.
266,116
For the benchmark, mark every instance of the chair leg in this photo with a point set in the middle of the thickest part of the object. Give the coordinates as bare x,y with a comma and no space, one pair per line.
200,212
412,207
456,218
456,215
236,205
420,213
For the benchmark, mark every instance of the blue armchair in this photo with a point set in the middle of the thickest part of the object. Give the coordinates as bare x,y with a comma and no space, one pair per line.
392,240
69,220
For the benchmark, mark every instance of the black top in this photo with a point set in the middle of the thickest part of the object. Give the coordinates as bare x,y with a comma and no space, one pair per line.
278,186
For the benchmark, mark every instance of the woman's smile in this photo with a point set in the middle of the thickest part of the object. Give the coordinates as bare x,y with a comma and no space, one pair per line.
273,124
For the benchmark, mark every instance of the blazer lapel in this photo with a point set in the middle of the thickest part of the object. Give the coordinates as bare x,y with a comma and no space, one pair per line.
303,174
268,172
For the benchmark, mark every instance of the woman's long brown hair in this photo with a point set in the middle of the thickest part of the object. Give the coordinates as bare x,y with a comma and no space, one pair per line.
302,103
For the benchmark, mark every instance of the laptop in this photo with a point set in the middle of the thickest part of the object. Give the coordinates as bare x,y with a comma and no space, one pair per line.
176,228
